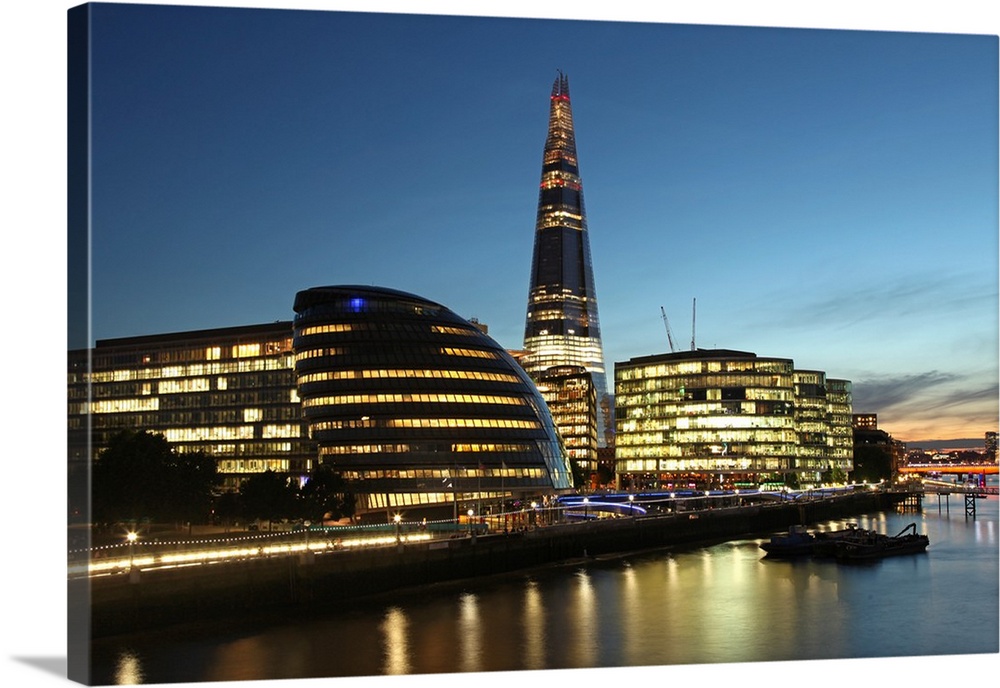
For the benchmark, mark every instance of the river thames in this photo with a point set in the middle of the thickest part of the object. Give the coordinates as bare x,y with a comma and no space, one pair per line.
722,603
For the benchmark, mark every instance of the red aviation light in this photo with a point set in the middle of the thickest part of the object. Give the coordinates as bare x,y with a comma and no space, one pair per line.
561,96
550,183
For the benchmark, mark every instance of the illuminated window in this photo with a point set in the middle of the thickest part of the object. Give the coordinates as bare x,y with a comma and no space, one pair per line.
246,350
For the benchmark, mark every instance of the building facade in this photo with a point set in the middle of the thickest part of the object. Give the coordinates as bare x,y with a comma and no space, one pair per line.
572,399
865,421
562,325
417,408
723,417
840,437
228,392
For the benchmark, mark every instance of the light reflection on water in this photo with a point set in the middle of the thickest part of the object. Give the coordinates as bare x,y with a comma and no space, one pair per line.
534,623
395,640
724,603
583,622
129,670
469,630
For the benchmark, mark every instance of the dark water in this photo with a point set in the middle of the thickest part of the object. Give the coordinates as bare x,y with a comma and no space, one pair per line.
724,603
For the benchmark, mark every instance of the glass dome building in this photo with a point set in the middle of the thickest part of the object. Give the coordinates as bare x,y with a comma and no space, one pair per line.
416,407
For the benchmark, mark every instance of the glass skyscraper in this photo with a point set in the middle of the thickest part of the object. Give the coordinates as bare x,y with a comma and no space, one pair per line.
562,327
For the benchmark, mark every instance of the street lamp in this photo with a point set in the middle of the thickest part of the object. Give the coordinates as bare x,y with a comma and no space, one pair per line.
131,537
586,508
534,513
631,505
470,512
397,519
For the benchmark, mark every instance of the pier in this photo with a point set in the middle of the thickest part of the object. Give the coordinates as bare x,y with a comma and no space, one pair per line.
912,494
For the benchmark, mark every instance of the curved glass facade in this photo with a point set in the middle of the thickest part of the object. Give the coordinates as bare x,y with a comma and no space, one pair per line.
415,406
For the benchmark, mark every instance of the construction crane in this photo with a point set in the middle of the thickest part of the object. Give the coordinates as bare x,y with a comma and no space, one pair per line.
670,336
693,303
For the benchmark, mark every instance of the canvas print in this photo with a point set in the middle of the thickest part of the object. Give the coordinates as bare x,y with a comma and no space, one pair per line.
359,385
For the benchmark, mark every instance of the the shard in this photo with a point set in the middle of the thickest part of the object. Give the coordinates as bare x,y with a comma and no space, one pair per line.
562,327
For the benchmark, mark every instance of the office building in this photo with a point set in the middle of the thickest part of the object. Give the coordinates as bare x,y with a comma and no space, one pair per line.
840,437
865,421
570,395
417,408
723,417
227,392
562,326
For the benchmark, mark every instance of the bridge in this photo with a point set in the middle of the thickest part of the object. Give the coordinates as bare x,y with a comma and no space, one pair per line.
981,469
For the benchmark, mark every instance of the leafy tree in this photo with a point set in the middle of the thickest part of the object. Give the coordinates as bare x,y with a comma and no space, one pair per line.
325,493
190,486
139,475
268,496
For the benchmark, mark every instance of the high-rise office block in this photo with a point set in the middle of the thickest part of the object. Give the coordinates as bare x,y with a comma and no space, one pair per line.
840,401
716,416
569,393
228,392
562,326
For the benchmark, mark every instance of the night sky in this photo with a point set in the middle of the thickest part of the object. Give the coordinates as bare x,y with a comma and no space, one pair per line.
828,196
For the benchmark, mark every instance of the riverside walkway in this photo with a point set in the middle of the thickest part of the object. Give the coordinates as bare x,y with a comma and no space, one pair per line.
139,588
210,547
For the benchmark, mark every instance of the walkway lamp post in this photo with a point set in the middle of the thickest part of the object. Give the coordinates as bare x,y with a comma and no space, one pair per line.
631,505
470,513
131,537
586,508
397,519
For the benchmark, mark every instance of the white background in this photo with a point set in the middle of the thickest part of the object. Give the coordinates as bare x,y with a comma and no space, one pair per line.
34,335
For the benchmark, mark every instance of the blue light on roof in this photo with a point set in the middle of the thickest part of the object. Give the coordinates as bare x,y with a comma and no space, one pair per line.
357,303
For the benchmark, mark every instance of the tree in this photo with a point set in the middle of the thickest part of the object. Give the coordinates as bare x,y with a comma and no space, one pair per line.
268,496
190,487
139,475
325,495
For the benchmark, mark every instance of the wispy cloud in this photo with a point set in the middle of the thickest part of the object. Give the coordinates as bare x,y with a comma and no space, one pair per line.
928,298
885,392
933,404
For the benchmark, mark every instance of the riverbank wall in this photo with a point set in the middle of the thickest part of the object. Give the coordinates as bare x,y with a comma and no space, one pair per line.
312,581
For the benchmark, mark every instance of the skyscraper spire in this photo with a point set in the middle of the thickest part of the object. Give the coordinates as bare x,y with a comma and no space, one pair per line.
562,327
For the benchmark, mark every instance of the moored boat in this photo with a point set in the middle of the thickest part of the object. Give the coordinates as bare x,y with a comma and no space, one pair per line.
797,542
800,542
868,545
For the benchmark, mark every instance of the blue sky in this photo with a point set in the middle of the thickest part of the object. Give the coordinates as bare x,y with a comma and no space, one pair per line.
828,196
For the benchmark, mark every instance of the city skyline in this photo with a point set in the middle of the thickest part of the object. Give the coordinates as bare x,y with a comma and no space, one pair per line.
827,196
35,209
